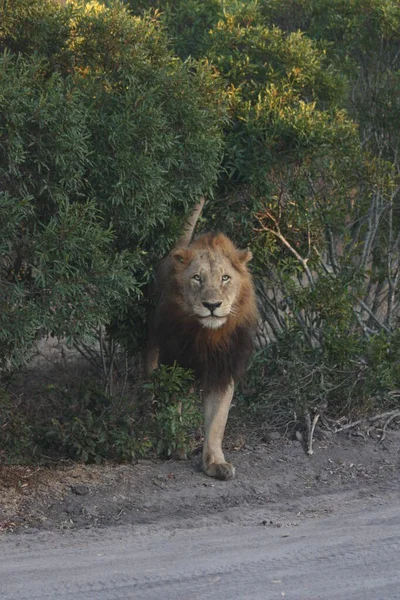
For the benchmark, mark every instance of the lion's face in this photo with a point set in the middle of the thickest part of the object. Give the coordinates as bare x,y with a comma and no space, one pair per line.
210,281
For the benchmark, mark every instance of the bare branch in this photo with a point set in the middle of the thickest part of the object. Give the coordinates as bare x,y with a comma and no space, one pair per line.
367,420
387,423
373,317
310,431
277,233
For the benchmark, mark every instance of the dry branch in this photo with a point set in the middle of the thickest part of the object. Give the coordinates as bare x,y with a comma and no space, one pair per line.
391,414
310,431
387,423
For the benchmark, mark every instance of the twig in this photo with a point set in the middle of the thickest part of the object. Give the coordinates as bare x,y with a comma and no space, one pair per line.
326,424
89,355
332,250
270,313
368,420
310,431
390,419
110,370
277,233
103,359
125,376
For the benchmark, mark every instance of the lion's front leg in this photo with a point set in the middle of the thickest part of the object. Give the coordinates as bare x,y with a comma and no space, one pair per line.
216,408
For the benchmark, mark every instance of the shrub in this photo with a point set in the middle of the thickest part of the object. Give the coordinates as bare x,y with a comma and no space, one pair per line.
107,140
92,427
17,442
311,180
187,22
175,412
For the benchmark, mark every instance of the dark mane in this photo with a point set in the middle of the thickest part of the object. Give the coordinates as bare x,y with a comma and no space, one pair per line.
214,362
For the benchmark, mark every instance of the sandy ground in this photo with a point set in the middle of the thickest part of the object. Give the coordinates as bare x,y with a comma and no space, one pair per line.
277,484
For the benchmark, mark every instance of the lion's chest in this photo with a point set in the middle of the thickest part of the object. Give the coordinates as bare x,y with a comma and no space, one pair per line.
215,360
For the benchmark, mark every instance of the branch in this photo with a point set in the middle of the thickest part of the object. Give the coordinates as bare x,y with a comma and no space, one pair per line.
371,314
310,431
278,234
375,214
389,420
390,413
88,354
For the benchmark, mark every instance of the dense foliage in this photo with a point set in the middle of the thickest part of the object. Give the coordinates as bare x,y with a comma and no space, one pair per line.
115,117
311,177
106,139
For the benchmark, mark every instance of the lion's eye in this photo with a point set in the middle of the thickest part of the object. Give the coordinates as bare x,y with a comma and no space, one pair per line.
197,277
225,277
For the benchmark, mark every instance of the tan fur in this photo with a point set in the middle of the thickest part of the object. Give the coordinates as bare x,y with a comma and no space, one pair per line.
204,321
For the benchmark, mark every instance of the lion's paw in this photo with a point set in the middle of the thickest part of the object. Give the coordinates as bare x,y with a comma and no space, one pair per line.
222,471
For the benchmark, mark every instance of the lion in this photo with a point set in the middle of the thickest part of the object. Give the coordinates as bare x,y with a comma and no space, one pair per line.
205,320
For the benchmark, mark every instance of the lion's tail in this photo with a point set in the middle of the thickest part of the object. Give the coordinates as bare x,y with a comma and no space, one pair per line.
190,225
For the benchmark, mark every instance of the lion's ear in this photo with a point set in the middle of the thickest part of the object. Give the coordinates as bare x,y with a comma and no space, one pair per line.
244,256
181,255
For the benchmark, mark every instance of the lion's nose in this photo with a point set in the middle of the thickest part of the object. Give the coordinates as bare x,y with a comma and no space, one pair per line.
212,306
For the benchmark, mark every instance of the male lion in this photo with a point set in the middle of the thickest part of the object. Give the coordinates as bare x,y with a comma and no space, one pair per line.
204,320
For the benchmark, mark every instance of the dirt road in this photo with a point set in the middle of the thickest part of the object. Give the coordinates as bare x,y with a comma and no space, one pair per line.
289,526
347,556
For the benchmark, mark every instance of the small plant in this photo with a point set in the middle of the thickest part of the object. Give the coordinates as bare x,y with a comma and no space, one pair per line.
16,434
176,415
92,428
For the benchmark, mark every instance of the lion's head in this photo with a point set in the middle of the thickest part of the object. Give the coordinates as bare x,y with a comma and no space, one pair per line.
213,285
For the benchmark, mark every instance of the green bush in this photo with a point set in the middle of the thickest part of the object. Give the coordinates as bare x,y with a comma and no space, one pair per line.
187,21
311,181
106,139
92,427
287,379
175,413
17,441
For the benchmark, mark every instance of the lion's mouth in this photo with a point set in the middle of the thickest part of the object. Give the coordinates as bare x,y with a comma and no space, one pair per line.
212,321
